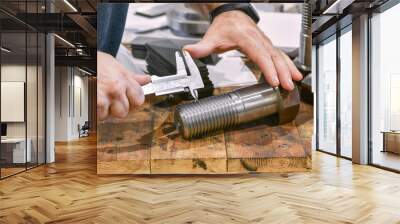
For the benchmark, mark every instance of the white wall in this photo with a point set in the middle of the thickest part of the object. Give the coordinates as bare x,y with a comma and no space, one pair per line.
61,103
70,84
81,102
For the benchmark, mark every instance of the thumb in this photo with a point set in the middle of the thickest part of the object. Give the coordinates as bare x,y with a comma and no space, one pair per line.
200,49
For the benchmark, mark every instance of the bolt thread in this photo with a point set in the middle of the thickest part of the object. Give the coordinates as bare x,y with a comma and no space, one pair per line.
306,38
306,17
207,115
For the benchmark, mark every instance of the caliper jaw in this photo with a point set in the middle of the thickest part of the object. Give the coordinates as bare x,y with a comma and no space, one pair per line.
180,82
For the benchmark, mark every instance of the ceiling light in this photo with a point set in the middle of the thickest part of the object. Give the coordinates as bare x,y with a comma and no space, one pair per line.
70,5
65,41
5,50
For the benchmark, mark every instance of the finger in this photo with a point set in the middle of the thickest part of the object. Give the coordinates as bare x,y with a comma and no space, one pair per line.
134,92
285,78
201,49
135,95
259,55
296,74
142,79
119,104
120,108
103,104
115,89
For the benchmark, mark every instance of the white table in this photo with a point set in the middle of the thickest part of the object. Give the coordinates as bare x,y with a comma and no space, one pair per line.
19,153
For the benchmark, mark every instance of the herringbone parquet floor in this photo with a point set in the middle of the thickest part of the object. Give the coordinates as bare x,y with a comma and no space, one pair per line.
69,191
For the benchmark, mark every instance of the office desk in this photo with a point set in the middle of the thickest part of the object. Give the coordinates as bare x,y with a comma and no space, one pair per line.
13,150
391,141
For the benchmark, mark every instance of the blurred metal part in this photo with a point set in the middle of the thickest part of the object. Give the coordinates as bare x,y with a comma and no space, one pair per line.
240,106
303,62
184,21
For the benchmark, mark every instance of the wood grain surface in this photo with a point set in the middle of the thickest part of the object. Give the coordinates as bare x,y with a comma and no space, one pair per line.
170,153
147,143
124,144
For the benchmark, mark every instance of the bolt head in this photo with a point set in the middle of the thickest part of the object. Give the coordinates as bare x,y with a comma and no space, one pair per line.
290,105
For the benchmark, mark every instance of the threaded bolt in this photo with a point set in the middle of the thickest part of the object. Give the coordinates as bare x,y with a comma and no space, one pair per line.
206,115
230,109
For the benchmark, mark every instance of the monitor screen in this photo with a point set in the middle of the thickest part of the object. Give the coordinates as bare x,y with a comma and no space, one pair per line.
3,129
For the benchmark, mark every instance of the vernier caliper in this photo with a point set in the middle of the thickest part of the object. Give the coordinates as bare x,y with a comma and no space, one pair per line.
187,78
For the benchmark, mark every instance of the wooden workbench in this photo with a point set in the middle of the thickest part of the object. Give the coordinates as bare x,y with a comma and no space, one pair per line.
146,142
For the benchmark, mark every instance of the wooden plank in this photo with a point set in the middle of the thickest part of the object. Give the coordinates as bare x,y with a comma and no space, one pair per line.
268,165
305,126
171,153
266,147
304,121
124,144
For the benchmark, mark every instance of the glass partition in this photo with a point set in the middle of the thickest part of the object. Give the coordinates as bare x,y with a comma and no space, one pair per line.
385,89
22,77
14,151
32,98
327,96
41,97
346,93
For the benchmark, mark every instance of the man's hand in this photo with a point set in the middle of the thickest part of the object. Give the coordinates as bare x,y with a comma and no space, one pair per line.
235,30
118,90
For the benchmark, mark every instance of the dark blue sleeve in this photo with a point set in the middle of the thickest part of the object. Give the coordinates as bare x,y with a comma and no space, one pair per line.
110,26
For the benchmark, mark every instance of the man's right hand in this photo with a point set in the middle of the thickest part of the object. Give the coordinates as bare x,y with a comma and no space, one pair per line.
118,90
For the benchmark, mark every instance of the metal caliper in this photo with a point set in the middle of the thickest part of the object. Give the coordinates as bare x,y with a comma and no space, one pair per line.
186,79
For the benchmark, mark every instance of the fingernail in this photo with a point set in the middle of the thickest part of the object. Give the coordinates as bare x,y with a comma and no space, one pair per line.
275,80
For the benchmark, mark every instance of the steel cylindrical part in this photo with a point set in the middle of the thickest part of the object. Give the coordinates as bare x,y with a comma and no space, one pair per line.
227,110
256,101
206,115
